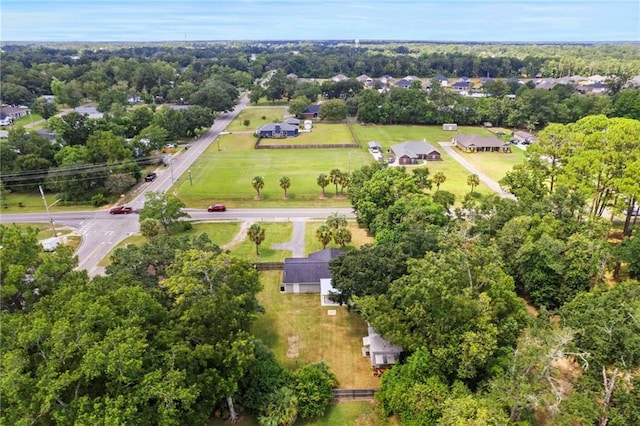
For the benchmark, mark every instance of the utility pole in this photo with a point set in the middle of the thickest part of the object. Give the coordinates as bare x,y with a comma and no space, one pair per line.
171,170
46,207
190,181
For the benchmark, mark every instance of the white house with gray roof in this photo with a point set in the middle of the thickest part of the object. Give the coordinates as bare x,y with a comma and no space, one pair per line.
304,274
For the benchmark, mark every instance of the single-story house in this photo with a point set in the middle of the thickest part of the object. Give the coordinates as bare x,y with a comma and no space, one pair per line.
5,120
277,130
593,88
444,81
381,351
326,290
339,77
311,111
459,86
364,79
411,151
375,146
477,143
303,274
14,112
405,84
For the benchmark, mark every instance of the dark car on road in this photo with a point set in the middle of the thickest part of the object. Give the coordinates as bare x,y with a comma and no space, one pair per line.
121,210
150,177
217,208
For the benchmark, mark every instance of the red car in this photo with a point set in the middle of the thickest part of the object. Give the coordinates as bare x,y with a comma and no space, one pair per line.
217,208
121,210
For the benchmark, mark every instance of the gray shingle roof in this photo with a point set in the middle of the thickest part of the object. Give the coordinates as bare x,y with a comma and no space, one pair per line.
272,127
479,141
412,149
309,269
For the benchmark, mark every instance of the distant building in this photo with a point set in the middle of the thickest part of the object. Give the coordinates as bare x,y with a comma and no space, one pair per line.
278,130
381,352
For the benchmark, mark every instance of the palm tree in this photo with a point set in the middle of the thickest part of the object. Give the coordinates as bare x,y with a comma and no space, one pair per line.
258,184
323,234
334,177
336,220
282,408
342,236
285,183
439,179
345,179
323,181
473,181
256,235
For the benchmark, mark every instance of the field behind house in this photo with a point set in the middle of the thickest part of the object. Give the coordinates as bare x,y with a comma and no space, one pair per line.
254,115
299,331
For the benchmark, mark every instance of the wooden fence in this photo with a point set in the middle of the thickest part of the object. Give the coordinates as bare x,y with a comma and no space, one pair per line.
269,266
353,394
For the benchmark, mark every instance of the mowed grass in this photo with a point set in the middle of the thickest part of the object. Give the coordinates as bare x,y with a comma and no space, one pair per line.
226,175
31,202
456,175
274,233
337,340
254,115
321,134
495,164
220,233
359,237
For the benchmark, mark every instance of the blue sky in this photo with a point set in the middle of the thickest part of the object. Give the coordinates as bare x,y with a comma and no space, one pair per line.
455,20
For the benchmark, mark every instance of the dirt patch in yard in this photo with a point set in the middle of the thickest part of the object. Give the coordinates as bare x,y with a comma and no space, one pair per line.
293,348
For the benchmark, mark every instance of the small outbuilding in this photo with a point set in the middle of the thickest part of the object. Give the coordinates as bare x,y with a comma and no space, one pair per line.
450,127
381,352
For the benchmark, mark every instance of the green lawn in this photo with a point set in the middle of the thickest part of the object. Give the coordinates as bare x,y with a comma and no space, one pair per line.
359,237
495,164
27,119
226,175
19,202
220,233
348,413
254,115
275,233
456,175
299,331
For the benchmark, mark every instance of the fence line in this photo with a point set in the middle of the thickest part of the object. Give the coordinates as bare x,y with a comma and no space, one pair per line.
269,266
353,394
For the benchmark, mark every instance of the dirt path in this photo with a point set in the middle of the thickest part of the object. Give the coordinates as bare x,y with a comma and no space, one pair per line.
239,237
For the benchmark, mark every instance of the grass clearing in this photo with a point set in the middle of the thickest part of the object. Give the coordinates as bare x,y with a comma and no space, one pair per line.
136,240
275,233
220,233
337,340
226,175
254,115
359,237
495,164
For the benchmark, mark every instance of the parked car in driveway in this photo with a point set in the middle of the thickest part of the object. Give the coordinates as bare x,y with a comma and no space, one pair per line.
121,210
150,177
217,208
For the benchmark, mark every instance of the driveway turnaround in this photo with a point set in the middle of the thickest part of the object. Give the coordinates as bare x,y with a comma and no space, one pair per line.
448,146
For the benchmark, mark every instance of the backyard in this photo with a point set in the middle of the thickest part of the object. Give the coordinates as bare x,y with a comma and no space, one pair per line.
300,331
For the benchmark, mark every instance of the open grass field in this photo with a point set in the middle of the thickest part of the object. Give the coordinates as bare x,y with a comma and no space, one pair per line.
359,237
220,233
254,115
226,175
321,134
19,202
495,164
299,331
